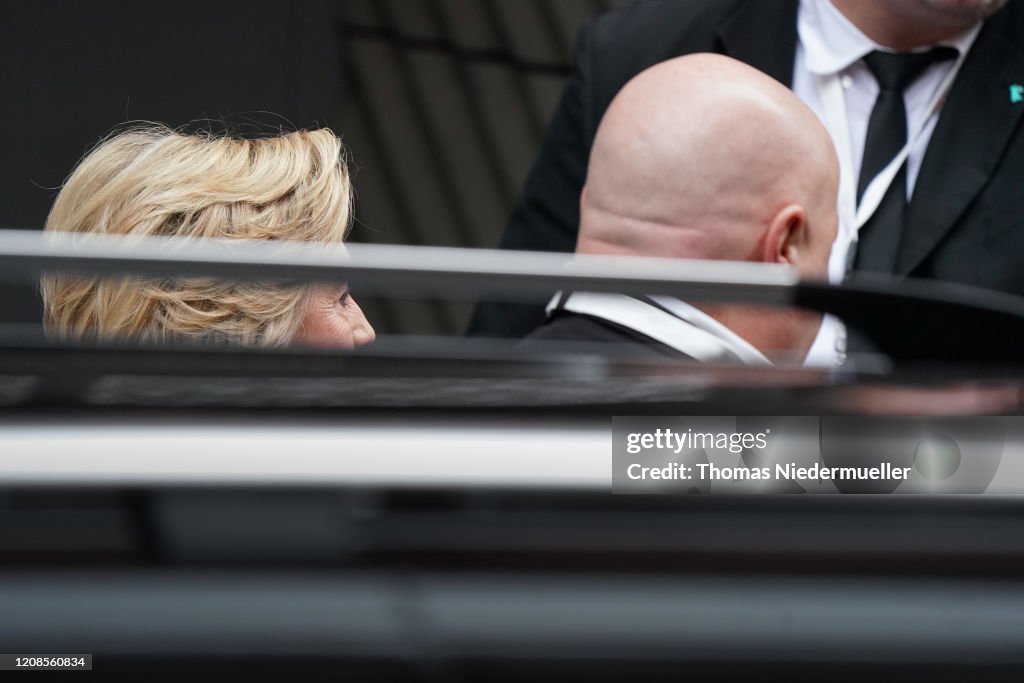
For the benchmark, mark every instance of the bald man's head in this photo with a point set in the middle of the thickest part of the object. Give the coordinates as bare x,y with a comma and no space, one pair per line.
705,157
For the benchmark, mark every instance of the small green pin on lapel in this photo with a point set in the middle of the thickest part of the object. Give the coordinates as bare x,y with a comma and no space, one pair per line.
1016,93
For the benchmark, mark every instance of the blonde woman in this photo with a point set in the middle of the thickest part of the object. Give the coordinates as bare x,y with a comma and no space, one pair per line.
151,180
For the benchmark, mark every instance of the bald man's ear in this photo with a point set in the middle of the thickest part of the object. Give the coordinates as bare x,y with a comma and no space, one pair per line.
786,236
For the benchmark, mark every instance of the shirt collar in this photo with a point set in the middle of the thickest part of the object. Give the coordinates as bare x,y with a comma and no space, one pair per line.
680,326
746,351
831,42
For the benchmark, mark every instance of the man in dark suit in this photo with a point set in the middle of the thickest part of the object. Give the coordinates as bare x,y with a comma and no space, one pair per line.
703,157
938,197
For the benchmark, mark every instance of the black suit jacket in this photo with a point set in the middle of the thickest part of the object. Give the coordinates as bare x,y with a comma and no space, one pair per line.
566,326
965,222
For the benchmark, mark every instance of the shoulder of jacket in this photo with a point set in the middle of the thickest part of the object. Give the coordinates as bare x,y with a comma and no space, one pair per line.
636,21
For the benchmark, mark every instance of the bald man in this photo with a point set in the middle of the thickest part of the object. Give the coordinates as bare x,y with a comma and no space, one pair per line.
703,157
937,197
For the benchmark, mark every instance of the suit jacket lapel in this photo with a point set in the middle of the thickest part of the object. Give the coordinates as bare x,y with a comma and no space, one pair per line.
973,130
762,33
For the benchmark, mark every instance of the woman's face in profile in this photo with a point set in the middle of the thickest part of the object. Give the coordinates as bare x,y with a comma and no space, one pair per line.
333,319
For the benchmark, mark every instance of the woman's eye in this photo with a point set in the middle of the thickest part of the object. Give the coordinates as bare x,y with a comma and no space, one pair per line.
344,298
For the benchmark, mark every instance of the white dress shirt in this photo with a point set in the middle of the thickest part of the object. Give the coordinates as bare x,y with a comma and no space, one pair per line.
830,45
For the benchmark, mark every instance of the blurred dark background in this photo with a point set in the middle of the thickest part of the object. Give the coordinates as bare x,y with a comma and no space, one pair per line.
442,103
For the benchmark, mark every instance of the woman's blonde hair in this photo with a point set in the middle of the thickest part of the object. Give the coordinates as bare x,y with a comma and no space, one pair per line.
151,180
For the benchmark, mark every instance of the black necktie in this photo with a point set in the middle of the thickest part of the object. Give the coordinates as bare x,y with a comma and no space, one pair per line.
879,239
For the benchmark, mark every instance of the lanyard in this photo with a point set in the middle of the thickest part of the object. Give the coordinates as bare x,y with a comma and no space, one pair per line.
833,101
677,325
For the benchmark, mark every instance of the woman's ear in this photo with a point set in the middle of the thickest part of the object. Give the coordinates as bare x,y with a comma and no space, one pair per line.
786,236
